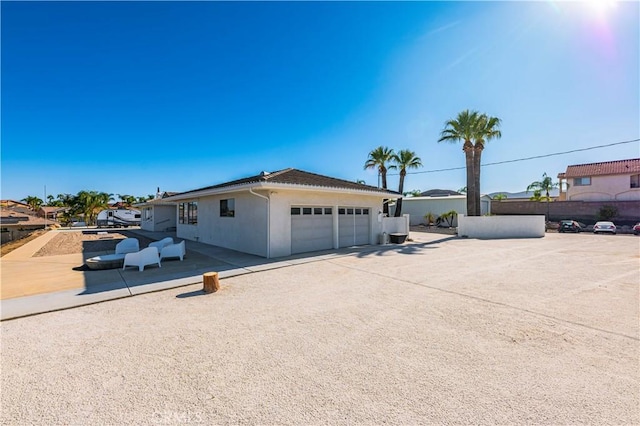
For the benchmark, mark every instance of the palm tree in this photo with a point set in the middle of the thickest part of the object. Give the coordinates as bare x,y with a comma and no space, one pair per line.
404,160
379,158
474,129
500,197
463,128
488,128
33,202
90,203
127,200
547,185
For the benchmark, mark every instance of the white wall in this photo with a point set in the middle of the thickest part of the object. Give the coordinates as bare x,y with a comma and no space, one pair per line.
418,207
280,217
393,225
245,232
532,226
604,188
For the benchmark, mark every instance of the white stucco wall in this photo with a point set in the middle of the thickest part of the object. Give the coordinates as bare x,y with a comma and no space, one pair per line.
245,232
530,226
604,188
282,200
417,207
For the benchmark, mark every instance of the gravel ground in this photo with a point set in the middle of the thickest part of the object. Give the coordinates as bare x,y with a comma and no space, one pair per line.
462,331
86,241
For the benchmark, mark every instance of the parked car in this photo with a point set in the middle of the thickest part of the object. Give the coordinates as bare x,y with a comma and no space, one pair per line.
636,229
569,226
604,227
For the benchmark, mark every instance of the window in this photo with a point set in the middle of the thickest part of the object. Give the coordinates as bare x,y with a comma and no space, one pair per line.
295,211
306,210
635,181
228,207
582,181
311,211
147,213
188,213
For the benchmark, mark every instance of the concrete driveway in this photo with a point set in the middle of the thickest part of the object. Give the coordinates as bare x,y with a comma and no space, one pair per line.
440,331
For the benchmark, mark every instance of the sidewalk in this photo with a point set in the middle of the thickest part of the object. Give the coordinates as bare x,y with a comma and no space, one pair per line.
33,285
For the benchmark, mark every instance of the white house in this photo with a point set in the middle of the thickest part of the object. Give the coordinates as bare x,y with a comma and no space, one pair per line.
158,215
282,213
606,181
418,207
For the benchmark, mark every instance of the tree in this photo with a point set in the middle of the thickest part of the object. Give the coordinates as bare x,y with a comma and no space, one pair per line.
474,130
500,197
412,193
34,202
404,160
379,158
449,217
488,129
90,203
607,212
127,200
546,184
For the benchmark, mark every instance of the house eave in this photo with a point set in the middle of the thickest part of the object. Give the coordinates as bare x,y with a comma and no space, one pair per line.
279,186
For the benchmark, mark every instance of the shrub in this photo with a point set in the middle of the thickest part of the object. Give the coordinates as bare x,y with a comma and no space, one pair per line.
607,212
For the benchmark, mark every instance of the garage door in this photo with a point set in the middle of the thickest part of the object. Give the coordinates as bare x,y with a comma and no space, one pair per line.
311,228
353,226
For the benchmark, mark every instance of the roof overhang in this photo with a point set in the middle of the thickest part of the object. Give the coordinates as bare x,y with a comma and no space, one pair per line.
266,186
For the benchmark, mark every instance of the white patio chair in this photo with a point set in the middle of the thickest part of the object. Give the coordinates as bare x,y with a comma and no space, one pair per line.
174,250
128,245
147,256
162,243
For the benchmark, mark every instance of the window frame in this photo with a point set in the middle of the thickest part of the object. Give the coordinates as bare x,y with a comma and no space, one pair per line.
228,207
580,181
635,184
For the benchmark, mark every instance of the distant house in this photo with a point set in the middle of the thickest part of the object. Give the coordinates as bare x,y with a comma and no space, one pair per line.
439,193
17,220
282,213
607,181
50,212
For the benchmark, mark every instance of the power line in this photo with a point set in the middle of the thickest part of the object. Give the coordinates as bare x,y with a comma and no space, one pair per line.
525,158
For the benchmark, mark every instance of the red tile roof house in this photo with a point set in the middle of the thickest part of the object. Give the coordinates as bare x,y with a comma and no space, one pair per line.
282,213
607,181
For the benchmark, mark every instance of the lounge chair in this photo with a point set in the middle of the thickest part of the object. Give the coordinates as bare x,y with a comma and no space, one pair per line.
162,243
173,250
128,245
147,256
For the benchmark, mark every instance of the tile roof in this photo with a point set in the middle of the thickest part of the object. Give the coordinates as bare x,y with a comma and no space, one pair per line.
620,167
296,177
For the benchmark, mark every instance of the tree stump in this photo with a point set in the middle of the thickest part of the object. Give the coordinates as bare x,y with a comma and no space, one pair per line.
211,282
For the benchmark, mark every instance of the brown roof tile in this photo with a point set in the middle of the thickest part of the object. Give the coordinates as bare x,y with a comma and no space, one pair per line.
620,167
296,177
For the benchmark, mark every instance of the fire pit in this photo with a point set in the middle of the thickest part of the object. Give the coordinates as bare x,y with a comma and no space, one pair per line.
107,261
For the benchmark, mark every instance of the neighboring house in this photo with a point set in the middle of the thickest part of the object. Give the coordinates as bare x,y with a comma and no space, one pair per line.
439,193
282,213
51,212
418,207
158,215
17,221
607,181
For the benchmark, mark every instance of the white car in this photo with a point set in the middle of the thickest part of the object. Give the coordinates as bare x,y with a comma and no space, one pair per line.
604,227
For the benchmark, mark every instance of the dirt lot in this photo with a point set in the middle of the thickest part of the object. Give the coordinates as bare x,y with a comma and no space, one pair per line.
441,331
87,242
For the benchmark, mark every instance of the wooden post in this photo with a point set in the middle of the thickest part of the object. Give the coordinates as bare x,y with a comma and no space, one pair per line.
211,282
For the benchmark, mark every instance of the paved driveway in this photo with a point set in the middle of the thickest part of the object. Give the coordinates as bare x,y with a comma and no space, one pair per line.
444,331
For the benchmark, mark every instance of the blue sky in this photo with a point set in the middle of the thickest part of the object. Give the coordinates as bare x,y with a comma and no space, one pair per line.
125,97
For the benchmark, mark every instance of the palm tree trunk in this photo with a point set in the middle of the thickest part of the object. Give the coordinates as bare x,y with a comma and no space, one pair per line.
468,152
477,155
398,212
385,205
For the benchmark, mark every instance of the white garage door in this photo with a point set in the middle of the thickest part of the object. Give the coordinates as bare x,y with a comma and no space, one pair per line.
311,228
353,226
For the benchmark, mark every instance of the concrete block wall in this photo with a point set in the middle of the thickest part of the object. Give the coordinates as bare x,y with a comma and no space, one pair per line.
582,211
